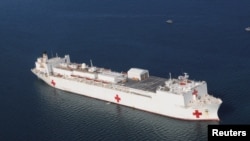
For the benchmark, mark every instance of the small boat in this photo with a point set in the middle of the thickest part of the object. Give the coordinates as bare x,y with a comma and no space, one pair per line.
247,28
169,21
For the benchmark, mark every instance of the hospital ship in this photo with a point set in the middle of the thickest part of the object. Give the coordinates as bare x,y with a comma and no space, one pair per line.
180,98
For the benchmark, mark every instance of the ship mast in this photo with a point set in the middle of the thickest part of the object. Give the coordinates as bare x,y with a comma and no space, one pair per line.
91,64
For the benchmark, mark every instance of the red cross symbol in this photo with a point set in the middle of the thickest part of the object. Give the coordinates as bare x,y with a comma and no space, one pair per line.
197,113
195,92
53,82
117,98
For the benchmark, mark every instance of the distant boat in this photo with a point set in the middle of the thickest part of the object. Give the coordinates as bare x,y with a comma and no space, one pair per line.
169,21
247,28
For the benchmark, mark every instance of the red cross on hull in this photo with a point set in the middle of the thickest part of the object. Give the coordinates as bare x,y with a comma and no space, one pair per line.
117,98
197,114
53,83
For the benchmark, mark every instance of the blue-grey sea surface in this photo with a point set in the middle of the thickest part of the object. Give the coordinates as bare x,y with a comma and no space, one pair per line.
207,39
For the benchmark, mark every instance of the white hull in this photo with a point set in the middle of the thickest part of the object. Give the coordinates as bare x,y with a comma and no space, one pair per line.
178,98
149,101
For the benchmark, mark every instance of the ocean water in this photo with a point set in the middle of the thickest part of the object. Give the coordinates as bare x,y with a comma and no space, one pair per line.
207,39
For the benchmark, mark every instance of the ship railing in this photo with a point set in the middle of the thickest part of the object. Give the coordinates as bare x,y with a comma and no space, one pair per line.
96,83
196,103
207,99
106,85
39,72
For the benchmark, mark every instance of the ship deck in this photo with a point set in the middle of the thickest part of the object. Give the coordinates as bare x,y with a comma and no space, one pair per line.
149,84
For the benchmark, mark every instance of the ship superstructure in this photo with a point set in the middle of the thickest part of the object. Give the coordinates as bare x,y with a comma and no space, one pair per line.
180,97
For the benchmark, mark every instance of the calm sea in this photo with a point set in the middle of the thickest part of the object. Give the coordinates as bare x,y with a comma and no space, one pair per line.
207,39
